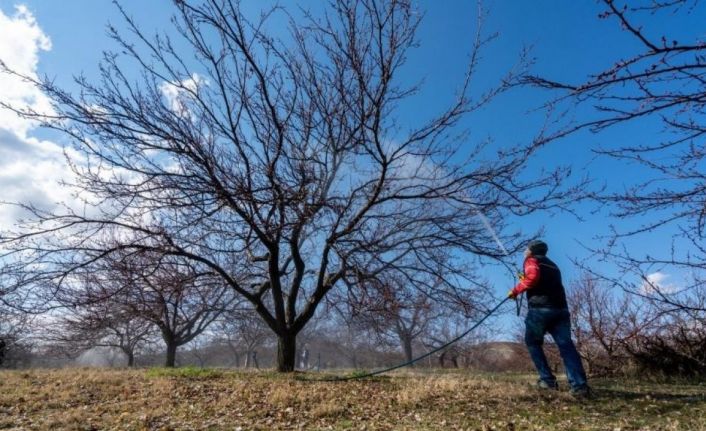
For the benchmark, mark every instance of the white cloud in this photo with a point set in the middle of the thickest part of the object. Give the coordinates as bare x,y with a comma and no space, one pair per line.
21,41
657,282
30,168
179,94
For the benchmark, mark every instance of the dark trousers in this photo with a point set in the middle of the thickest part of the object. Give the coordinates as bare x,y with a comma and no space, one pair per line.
554,321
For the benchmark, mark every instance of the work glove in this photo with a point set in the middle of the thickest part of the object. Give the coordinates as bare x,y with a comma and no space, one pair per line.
511,294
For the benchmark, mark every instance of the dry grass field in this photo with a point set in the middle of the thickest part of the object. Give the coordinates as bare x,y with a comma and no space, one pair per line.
192,399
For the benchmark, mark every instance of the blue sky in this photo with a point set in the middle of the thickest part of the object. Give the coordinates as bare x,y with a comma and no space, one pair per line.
567,40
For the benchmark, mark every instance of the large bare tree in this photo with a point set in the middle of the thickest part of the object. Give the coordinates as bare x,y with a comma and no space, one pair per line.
281,164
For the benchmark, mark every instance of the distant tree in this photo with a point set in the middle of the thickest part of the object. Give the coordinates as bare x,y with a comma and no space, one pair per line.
395,314
243,332
347,341
615,330
202,348
448,325
15,339
605,322
677,347
146,289
284,166
673,344
107,323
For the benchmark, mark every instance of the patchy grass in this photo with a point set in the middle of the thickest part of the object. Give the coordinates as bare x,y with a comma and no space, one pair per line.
184,372
197,399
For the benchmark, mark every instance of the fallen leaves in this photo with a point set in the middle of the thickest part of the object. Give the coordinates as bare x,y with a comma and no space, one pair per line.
148,400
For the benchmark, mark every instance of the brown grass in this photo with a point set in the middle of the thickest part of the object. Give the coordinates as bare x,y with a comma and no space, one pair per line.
91,399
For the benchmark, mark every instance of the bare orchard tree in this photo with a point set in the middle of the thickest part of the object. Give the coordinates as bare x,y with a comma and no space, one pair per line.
244,333
15,342
282,165
180,301
662,82
395,313
614,328
675,347
202,349
175,296
106,323
341,339
605,321
447,326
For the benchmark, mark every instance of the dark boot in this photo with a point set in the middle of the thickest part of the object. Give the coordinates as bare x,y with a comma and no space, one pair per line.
541,384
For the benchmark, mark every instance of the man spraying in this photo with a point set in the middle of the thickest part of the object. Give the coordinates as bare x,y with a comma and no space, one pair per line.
548,313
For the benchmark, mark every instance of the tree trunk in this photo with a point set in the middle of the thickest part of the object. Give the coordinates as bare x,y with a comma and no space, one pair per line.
254,359
407,347
3,345
442,359
130,359
171,355
286,353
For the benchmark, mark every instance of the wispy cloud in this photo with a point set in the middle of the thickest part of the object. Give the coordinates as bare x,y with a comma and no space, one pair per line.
657,282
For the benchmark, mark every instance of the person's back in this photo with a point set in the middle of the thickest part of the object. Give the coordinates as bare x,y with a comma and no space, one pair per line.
549,291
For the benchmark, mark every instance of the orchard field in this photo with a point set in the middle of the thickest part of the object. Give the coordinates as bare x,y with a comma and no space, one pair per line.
213,399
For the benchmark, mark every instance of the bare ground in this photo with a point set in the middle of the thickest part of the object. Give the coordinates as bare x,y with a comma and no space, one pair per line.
189,399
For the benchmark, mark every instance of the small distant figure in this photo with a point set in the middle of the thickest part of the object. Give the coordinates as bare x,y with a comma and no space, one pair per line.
304,362
548,312
254,359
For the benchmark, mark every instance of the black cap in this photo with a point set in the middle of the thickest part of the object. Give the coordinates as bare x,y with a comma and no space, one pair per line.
538,247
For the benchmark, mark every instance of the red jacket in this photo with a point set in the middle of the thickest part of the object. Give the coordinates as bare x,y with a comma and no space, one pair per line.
531,276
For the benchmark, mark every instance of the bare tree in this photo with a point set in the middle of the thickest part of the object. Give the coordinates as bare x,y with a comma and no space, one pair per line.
282,165
180,302
395,313
174,295
15,342
203,348
614,328
106,323
347,341
446,326
244,332
605,321
662,82
676,347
